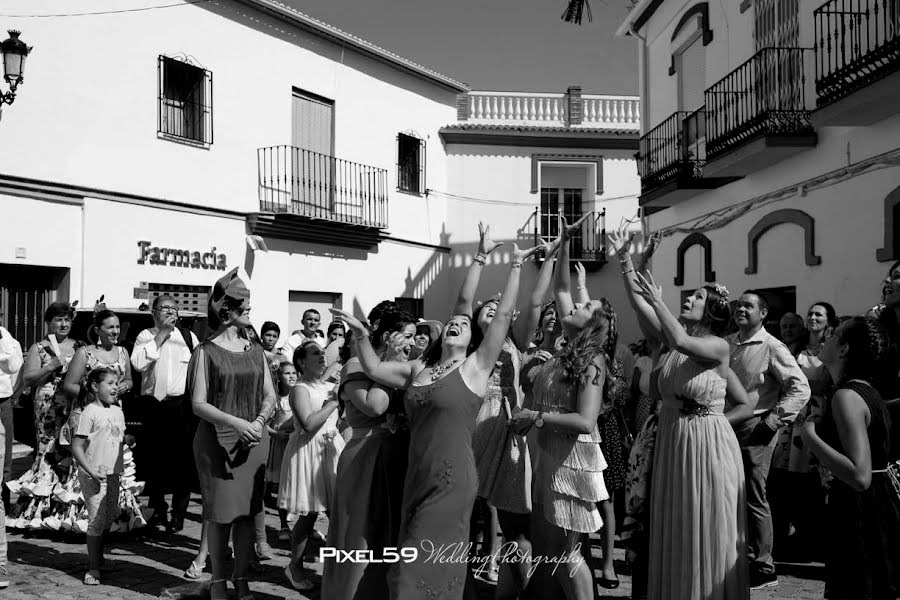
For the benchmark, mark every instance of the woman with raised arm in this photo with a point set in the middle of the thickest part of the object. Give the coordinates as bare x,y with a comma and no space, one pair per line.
698,519
501,457
444,392
568,393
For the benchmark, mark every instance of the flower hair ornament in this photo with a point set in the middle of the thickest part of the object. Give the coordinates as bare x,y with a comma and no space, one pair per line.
99,305
720,290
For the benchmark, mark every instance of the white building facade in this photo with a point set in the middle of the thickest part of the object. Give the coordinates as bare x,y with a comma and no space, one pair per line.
770,148
149,152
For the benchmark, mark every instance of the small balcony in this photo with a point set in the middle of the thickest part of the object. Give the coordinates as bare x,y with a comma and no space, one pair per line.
857,55
554,110
319,198
671,160
587,246
757,116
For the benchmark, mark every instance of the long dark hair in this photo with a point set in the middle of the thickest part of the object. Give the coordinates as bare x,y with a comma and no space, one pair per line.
390,321
869,346
716,313
598,337
510,334
539,333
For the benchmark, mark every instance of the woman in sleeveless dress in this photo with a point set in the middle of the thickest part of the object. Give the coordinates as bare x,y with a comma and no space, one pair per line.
104,354
501,456
309,467
369,493
852,440
445,389
45,367
698,549
233,396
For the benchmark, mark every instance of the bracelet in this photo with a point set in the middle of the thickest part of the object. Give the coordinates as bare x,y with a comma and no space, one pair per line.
480,259
626,272
517,265
581,287
261,419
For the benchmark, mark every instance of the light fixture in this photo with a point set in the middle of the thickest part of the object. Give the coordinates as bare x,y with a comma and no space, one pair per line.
14,52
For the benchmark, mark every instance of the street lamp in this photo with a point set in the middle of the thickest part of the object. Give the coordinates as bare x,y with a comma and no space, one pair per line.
14,52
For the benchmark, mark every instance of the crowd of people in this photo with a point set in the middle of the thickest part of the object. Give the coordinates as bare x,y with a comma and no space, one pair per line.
487,447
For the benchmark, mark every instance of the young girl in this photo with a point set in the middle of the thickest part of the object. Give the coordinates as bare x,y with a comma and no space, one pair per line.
97,446
280,428
309,468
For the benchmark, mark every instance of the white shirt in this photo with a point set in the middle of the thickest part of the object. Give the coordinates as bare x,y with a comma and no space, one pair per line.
104,427
297,339
10,362
163,369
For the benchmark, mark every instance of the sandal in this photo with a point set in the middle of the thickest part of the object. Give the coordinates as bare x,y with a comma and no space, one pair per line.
90,578
224,590
194,571
242,589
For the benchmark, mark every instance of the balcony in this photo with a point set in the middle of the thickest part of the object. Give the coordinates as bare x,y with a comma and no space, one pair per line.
857,55
554,110
319,198
756,115
587,246
671,160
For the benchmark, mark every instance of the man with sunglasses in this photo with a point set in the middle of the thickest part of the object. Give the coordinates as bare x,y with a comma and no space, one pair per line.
161,354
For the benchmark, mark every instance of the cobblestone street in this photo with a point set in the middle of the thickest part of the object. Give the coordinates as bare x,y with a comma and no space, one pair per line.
49,565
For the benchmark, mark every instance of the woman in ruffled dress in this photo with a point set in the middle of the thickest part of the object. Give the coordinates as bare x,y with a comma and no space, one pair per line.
369,493
698,548
853,441
568,394
106,353
45,367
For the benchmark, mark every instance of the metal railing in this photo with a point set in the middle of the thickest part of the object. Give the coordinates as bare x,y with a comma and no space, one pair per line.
668,150
857,42
765,95
317,185
586,245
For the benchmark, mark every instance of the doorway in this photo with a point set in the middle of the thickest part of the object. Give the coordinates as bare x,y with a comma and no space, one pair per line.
300,302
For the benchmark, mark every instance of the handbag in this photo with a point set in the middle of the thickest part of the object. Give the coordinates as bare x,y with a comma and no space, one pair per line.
627,437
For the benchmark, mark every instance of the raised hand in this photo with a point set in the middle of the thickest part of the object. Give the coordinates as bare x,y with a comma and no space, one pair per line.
352,322
650,248
647,288
620,242
519,255
485,244
581,275
566,229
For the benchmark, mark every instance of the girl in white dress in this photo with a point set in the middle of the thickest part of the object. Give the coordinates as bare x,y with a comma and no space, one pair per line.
309,466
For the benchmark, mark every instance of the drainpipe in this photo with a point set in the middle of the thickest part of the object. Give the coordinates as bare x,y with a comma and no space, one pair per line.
644,93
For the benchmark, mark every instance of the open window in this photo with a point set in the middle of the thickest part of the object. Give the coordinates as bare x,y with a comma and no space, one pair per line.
185,101
410,164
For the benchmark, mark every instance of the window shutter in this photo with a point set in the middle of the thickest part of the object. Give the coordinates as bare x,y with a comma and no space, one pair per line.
692,75
312,121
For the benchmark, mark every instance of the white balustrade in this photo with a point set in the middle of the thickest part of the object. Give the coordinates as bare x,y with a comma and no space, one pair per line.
526,108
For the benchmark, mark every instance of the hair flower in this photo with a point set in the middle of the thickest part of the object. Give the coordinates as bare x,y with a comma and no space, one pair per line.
721,290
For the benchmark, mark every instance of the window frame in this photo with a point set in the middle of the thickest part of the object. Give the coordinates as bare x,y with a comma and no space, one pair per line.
169,107
415,180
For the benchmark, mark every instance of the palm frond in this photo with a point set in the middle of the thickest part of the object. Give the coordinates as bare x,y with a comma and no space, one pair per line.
575,10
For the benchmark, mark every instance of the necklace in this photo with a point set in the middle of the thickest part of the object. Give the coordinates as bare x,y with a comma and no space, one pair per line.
439,370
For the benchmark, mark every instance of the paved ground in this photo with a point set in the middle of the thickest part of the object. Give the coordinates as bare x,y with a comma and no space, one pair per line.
49,566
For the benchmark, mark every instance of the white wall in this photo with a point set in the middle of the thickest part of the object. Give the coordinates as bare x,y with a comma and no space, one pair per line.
86,113
849,225
497,182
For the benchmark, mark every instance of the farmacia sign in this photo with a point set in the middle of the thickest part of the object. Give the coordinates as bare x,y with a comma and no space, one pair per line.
176,257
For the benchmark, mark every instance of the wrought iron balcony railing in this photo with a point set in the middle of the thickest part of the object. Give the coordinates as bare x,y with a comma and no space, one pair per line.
671,150
302,182
857,42
587,245
763,96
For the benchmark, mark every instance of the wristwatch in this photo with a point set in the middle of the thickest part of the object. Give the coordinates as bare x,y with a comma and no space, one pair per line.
539,422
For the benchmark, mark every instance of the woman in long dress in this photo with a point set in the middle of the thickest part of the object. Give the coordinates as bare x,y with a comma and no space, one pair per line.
45,368
445,390
369,494
233,396
698,549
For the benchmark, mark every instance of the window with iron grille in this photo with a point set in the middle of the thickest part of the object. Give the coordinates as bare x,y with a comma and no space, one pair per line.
410,164
185,101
